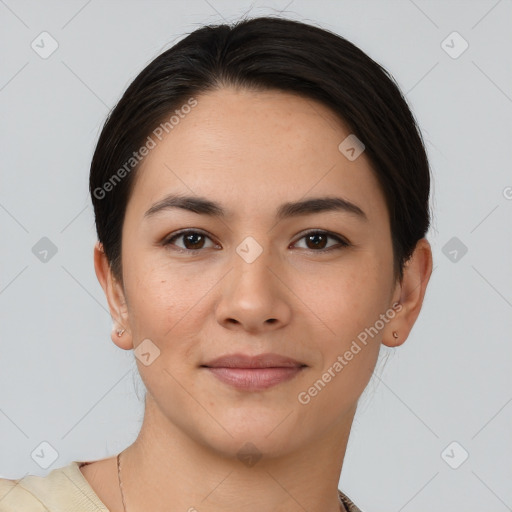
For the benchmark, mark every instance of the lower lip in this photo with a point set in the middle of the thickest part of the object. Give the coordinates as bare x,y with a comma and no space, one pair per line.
253,379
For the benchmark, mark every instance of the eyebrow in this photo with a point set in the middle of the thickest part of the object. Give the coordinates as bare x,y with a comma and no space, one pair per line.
205,206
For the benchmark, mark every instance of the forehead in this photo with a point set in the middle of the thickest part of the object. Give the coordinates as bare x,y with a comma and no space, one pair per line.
250,148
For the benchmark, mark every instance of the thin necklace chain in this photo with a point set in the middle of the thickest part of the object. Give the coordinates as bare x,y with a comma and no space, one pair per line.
344,509
119,478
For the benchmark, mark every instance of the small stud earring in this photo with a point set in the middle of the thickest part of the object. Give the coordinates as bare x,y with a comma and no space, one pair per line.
120,332
395,335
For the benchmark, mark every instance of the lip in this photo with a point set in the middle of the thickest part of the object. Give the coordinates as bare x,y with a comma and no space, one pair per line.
252,373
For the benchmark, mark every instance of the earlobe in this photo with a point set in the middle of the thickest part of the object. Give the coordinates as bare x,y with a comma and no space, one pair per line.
393,335
410,293
114,293
122,338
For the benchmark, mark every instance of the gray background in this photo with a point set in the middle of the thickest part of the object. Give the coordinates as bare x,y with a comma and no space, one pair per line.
64,382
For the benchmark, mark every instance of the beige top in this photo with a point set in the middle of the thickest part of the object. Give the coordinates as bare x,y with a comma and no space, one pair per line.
64,490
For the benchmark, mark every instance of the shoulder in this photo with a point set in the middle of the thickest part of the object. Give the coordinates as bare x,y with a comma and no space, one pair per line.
60,490
14,497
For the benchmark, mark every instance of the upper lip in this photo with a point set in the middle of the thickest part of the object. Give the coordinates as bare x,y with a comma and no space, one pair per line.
258,361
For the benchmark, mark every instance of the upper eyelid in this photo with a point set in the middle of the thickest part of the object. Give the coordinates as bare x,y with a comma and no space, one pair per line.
322,231
183,232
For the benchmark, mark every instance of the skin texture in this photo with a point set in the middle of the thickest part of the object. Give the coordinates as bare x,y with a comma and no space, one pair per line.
251,151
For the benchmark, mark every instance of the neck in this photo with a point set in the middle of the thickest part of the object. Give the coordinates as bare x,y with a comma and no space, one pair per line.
170,467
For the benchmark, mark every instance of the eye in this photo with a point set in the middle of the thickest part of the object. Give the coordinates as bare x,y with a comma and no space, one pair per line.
193,240
316,241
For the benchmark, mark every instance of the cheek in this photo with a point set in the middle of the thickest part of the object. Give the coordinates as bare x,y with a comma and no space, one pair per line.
166,304
349,302
162,310
156,299
346,296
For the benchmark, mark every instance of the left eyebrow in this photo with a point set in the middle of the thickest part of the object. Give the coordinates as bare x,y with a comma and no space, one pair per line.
320,204
203,206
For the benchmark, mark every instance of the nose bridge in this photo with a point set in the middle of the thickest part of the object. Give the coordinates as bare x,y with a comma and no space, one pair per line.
250,250
251,262
252,296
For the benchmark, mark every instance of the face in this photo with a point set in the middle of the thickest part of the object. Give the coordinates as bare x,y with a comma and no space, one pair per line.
303,285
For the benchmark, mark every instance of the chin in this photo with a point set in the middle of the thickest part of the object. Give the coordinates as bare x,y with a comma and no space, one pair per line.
256,432
249,447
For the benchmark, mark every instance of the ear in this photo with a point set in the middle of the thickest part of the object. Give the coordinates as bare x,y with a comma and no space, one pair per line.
409,294
116,299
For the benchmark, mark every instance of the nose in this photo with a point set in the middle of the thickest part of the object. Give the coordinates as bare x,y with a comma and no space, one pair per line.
254,297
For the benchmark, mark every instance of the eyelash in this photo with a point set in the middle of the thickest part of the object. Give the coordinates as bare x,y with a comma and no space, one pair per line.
342,242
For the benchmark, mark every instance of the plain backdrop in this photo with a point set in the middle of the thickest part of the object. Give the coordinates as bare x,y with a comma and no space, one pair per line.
433,429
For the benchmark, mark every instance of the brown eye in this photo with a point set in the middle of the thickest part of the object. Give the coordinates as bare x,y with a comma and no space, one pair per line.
317,241
191,240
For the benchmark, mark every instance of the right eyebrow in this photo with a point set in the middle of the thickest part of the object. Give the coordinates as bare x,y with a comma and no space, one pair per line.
194,204
320,204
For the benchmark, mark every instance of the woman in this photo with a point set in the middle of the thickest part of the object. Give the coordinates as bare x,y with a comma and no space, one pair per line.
261,195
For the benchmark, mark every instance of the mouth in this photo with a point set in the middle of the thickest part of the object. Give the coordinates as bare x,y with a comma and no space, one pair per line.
253,373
